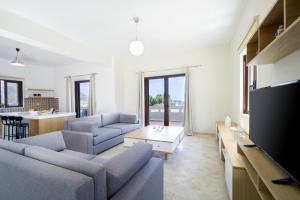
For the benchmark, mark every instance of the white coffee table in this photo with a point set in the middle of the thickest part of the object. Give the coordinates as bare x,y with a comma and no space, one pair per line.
164,140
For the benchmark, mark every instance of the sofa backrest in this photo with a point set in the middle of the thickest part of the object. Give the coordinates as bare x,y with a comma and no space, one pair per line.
95,119
84,126
26,178
82,166
13,147
54,141
128,118
110,118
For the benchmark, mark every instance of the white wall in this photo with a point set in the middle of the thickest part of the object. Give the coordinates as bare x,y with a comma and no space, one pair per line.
53,78
105,84
34,76
285,70
211,100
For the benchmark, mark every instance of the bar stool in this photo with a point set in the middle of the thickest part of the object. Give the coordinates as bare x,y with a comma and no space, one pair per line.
12,127
6,126
21,128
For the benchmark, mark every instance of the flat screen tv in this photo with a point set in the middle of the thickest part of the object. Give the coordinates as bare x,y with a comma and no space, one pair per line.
275,125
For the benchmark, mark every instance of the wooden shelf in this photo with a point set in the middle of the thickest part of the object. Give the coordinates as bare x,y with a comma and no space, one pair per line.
285,44
264,47
292,12
38,89
252,47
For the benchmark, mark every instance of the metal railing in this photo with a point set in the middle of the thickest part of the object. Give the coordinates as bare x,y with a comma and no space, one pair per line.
156,113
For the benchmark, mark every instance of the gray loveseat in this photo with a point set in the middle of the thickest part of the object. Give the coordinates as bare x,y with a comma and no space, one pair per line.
41,168
95,134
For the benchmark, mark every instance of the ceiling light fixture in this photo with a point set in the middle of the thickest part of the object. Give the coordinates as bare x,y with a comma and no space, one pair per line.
17,61
136,47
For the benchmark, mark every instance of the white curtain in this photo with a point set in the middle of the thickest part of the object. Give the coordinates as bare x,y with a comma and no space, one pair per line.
187,120
92,96
69,95
140,99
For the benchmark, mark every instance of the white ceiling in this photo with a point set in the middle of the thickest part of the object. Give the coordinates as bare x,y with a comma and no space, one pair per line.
32,55
166,26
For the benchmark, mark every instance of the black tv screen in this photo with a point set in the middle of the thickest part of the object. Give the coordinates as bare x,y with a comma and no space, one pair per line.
275,125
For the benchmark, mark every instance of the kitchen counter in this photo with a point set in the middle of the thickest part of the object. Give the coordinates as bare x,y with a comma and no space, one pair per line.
40,123
36,115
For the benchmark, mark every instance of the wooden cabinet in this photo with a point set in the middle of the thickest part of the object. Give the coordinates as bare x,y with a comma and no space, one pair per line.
42,126
262,171
248,171
238,183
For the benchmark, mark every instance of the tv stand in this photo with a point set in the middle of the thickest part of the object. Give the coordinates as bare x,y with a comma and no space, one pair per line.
249,172
284,181
262,171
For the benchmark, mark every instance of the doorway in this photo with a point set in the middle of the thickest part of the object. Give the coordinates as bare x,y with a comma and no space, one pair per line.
82,97
164,100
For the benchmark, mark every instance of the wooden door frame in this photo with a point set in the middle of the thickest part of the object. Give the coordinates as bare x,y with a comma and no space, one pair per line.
166,96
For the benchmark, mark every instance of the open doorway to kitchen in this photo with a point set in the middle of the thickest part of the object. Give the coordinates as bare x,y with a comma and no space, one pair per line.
82,97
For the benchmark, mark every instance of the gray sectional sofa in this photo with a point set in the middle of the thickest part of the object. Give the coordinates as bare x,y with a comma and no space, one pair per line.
98,133
41,168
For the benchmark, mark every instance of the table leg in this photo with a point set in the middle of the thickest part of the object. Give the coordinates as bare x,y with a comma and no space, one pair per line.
166,156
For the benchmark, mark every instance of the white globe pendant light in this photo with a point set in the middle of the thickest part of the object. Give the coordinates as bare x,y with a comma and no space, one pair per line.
136,47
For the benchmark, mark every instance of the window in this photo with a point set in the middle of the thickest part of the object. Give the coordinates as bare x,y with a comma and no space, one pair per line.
11,93
249,83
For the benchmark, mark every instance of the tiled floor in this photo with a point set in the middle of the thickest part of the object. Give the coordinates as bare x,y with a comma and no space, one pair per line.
193,172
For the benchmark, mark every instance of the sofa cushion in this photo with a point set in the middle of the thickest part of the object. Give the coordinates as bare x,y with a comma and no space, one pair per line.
13,146
53,141
86,167
110,118
124,127
78,154
125,165
93,119
103,134
125,118
84,126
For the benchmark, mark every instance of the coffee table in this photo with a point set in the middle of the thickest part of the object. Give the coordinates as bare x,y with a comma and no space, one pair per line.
164,139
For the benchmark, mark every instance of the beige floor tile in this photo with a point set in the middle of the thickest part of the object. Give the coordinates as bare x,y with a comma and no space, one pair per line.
193,172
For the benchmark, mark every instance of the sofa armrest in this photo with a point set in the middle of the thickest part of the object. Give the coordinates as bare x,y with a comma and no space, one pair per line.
79,141
147,184
121,168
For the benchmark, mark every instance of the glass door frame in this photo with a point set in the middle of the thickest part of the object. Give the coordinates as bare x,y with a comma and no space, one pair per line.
166,97
77,96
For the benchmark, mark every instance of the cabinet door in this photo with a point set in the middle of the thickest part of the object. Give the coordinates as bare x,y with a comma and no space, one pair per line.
228,174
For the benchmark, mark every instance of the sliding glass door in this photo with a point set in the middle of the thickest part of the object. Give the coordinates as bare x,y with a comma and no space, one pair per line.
164,100
82,97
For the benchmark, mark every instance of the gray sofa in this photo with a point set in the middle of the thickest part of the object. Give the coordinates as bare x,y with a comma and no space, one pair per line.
95,134
41,168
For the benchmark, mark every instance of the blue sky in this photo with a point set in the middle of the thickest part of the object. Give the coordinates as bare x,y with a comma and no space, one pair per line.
176,87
